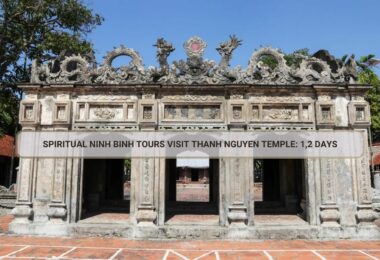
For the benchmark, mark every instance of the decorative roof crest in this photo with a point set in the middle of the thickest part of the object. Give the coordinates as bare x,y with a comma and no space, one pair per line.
321,68
195,47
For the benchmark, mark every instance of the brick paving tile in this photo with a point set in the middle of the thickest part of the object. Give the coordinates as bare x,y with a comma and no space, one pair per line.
106,218
4,227
173,256
375,254
204,255
6,218
343,255
40,251
293,255
242,255
192,245
139,254
91,253
24,258
6,250
205,218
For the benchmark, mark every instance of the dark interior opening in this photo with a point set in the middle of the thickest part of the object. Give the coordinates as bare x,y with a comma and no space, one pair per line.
5,171
106,187
279,187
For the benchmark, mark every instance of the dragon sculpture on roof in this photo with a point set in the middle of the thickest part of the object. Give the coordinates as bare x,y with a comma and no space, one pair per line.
320,68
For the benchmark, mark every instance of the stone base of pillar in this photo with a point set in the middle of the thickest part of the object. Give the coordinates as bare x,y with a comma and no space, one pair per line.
57,213
365,215
146,216
330,216
22,213
237,215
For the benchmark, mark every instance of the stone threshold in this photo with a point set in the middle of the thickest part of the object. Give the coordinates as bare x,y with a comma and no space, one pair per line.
198,231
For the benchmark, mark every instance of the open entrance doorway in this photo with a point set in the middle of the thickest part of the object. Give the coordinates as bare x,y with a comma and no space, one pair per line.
279,191
106,190
192,191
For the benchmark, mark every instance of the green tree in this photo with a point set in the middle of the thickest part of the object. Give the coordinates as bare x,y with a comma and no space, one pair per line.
38,29
294,59
368,76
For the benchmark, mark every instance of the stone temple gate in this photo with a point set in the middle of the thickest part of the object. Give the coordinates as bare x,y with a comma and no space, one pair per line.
299,198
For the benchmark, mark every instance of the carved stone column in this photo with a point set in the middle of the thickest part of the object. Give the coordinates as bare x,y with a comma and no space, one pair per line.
312,191
329,213
365,214
146,171
237,190
57,207
23,211
376,193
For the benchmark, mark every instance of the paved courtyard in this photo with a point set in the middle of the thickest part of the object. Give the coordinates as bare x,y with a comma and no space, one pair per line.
28,247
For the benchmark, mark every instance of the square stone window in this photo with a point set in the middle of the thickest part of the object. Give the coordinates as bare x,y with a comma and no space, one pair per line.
326,113
60,113
237,112
147,112
28,112
360,114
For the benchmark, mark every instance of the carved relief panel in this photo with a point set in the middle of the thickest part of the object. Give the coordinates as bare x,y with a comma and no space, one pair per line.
363,181
24,181
106,111
280,112
191,111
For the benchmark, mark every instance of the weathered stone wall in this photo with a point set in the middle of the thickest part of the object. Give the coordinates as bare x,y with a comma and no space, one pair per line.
338,191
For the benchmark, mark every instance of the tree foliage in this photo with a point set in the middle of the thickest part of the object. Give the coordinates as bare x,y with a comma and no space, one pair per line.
368,76
38,29
295,58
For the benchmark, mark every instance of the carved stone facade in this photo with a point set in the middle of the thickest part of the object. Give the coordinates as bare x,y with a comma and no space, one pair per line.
195,95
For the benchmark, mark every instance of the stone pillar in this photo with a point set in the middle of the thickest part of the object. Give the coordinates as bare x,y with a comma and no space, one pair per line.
312,190
376,193
238,189
57,208
365,214
329,213
23,211
146,173
303,202
73,190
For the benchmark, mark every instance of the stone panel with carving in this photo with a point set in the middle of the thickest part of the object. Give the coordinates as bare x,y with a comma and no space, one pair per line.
288,113
192,112
106,112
